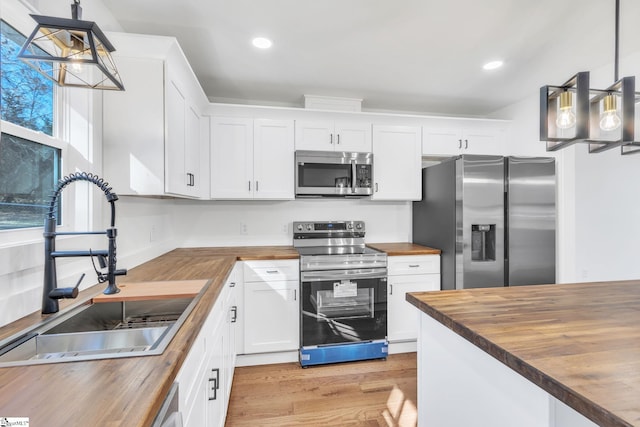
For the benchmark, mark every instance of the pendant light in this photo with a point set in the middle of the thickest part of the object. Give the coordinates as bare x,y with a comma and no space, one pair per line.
598,120
71,52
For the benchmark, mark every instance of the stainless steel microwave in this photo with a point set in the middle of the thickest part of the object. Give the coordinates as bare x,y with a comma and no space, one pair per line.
333,174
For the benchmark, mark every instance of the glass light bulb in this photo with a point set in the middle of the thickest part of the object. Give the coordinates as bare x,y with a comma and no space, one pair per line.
609,120
566,119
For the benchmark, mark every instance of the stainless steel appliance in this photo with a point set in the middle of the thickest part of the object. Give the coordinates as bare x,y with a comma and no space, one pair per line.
493,218
333,173
343,288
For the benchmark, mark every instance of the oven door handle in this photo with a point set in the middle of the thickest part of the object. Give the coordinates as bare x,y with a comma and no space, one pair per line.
319,276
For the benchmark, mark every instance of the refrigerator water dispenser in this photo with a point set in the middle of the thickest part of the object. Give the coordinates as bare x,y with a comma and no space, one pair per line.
483,242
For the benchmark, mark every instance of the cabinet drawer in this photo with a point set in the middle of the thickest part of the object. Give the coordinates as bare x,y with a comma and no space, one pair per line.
414,264
267,271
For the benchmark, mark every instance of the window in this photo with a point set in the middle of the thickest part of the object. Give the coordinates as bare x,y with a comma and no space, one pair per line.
28,174
29,161
27,96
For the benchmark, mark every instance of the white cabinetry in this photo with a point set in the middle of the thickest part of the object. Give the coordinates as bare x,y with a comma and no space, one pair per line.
252,159
397,163
271,307
453,137
333,136
206,375
152,136
411,273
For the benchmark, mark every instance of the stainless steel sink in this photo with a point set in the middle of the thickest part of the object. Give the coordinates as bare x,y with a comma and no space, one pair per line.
99,331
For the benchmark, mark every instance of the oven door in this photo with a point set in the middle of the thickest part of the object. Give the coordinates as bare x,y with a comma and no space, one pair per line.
343,306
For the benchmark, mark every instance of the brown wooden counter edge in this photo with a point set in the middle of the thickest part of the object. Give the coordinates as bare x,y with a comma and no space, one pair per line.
404,248
588,408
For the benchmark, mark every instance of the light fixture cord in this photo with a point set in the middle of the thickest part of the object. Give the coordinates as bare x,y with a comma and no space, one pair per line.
617,53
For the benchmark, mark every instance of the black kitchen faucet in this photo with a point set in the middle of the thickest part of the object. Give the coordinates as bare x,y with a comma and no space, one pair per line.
106,258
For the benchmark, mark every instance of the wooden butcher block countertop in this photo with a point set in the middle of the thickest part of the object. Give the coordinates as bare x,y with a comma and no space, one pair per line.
402,248
579,342
124,391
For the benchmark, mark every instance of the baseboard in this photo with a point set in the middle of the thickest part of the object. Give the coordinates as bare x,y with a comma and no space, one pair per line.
403,347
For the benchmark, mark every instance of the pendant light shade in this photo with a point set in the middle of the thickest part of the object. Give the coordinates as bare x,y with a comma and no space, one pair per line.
71,52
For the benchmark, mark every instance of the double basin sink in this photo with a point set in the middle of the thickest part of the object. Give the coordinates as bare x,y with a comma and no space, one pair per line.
99,331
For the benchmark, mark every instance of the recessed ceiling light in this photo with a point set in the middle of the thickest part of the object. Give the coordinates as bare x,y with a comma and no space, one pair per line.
492,65
262,43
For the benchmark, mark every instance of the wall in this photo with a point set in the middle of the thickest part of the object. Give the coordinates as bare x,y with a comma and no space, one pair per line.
227,223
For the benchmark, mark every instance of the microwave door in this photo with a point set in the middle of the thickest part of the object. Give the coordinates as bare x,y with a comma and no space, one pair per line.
324,179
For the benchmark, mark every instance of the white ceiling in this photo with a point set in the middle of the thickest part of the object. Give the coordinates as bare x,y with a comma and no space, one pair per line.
407,55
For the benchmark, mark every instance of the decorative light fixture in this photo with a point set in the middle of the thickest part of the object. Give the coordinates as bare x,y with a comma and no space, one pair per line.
596,119
71,52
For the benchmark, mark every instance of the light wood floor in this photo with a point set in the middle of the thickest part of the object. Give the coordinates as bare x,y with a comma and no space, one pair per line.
367,393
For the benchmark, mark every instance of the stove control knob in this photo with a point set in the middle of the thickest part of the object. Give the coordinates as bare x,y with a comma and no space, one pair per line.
349,226
309,227
359,225
300,227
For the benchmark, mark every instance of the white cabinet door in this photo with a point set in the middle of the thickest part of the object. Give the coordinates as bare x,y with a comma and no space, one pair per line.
215,379
192,146
397,163
314,135
271,311
353,136
273,159
463,137
326,135
231,158
442,141
176,181
403,322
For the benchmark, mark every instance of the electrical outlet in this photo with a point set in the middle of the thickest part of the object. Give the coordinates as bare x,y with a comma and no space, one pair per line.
243,228
285,228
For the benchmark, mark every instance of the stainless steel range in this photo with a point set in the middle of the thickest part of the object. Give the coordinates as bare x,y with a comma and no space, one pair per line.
343,288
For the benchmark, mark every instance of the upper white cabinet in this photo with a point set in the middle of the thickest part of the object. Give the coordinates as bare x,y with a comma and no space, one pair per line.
397,163
453,137
152,136
252,159
329,135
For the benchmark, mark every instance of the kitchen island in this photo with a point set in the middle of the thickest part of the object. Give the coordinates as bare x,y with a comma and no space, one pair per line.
546,355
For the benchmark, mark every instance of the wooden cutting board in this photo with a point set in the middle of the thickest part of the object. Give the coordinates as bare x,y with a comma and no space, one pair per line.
154,290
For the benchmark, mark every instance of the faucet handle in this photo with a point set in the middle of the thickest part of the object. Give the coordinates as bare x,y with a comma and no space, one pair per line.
59,293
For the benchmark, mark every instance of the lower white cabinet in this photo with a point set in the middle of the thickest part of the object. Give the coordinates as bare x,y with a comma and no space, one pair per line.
206,376
271,306
411,273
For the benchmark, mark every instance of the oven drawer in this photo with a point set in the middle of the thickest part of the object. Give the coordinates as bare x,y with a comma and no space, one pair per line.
258,271
413,264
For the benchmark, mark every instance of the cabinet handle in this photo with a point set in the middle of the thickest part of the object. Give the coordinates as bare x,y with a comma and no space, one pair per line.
338,138
257,186
466,144
330,138
272,271
214,383
414,265
249,185
295,295
232,284
390,289
234,313
459,143
376,187
190,180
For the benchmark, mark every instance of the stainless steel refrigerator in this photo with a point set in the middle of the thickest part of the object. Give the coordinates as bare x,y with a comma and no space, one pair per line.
493,217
